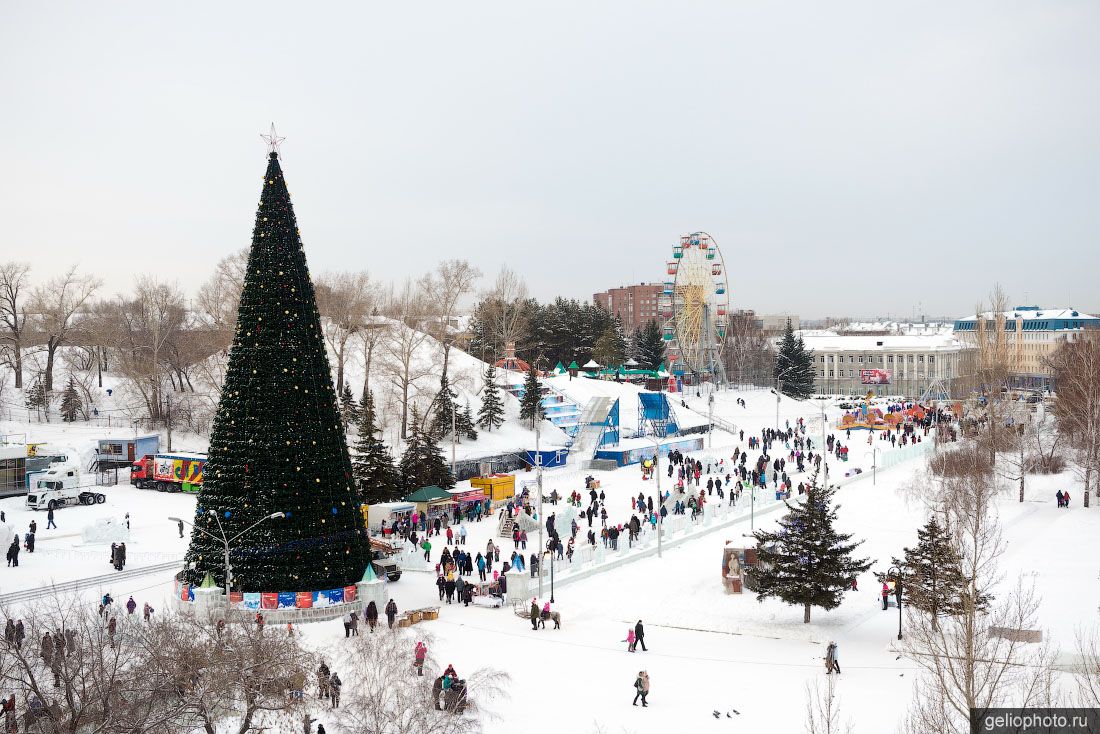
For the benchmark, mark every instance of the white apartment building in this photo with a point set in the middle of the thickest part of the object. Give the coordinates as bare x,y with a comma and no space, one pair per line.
911,363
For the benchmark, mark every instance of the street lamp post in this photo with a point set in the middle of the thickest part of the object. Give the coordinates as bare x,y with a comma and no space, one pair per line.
896,573
657,475
874,464
226,541
553,552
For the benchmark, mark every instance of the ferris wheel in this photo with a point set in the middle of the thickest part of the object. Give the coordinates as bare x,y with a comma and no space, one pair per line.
694,304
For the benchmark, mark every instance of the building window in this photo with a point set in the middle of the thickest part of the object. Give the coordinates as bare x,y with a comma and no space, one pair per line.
931,358
920,358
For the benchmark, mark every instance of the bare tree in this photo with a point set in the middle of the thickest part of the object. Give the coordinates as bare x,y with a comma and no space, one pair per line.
14,277
146,324
240,678
374,332
503,307
449,283
89,675
1076,367
56,305
748,353
402,356
220,295
823,709
384,694
978,658
346,301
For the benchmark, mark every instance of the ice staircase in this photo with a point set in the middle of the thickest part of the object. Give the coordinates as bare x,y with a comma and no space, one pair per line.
505,526
592,425
562,411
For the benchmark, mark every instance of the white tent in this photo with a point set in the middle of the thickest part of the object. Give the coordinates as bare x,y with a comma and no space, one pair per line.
591,365
630,363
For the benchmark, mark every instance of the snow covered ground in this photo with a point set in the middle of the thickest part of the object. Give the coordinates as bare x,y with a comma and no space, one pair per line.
708,651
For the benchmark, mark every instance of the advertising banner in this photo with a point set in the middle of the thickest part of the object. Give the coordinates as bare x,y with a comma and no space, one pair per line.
350,594
236,599
269,600
304,600
287,599
874,377
251,600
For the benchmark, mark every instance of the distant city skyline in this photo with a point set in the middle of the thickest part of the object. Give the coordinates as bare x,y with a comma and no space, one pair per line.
849,159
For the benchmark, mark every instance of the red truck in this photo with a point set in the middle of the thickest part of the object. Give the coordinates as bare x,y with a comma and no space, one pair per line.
180,471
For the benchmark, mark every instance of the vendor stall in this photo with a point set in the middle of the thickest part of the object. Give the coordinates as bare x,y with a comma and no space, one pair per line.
388,512
471,503
432,502
496,486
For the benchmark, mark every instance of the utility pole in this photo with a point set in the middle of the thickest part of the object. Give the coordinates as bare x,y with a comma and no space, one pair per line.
778,394
168,404
453,434
538,483
710,421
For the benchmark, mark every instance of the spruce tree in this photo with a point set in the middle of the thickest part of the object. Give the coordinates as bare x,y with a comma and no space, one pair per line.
807,562
422,464
372,463
71,404
491,413
37,398
794,366
931,575
652,346
443,409
277,444
465,423
608,352
349,411
530,405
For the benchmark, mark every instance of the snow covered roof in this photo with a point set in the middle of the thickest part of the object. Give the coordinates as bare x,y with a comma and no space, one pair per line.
1029,313
891,342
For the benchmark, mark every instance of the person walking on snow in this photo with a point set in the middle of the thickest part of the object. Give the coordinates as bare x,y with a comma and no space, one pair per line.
534,614
832,659
391,612
639,634
631,640
641,688
49,520
419,655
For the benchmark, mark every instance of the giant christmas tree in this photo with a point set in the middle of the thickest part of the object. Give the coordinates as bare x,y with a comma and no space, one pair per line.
278,443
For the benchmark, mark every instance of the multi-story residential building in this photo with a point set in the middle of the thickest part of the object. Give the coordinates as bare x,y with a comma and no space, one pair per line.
635,305
911,364
775,324
1020,341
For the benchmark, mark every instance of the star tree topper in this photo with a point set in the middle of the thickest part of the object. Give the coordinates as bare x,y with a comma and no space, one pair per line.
273,140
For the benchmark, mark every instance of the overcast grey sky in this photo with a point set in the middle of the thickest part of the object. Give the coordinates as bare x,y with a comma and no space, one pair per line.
849,157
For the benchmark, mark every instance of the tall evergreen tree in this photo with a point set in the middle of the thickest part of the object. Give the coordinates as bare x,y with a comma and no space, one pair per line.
634,345
277,444
794,366
372,464
807,562
530,405
652,346
491,413
443,409
349,411
71,404
932,579
610,350
465,423
37,397
422,464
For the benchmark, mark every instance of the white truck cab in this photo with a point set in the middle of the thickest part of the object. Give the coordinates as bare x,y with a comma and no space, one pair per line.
60,486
